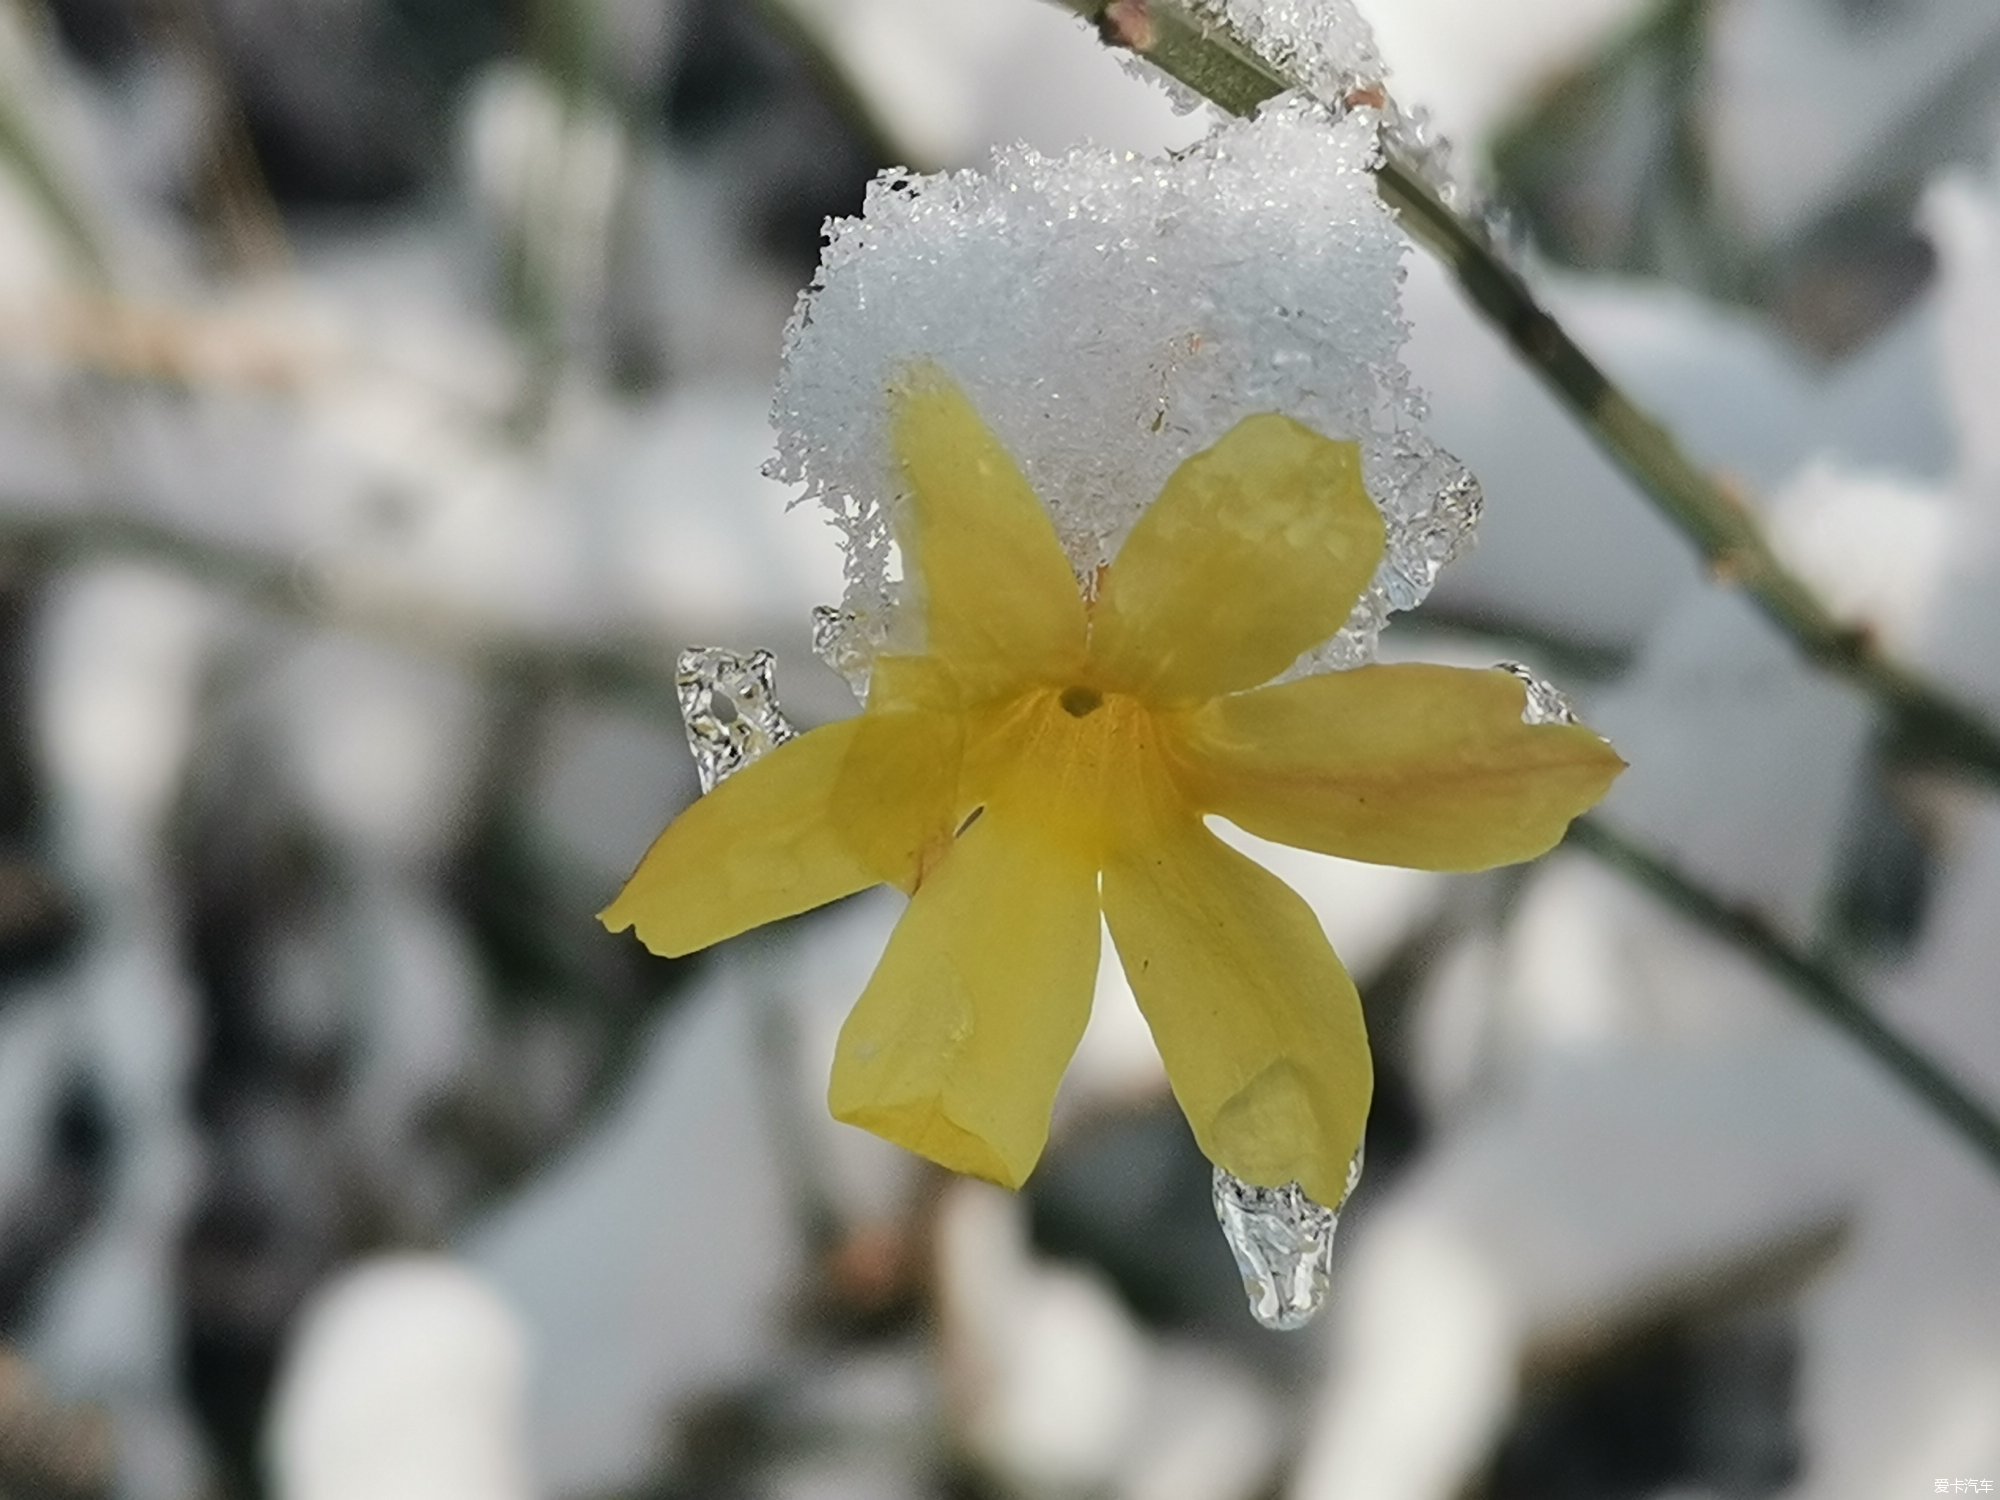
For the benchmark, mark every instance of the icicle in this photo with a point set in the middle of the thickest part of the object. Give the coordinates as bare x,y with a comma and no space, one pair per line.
729,704
1283,1244
1545,704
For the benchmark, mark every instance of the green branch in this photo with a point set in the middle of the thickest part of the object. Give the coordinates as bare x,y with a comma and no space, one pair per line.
21,149
1820,987
638,671
1925,720
1206,58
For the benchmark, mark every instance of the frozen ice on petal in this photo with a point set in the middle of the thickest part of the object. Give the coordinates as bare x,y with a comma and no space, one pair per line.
1418,552
839,641
1546,704
1283,1244
1111,315
729,703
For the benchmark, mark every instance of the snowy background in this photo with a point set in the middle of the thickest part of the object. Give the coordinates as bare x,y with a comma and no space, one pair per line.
383,394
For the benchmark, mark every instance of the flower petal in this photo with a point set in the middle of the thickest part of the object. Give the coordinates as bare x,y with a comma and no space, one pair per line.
1254,553
957,1046
1001,604
838,809
1256,1020
1424,766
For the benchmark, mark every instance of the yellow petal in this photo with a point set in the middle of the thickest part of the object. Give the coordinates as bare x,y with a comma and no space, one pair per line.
961,1037
832,812
1001,604
1424,766
1256,1020
1254,553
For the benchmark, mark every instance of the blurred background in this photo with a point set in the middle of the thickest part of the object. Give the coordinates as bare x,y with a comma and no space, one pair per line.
382,404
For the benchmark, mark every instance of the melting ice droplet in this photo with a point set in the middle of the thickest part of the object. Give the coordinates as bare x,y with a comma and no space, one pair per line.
1545,704
838,641
1283,1244
729,704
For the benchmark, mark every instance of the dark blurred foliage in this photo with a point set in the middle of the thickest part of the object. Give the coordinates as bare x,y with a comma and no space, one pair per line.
743,81
1613,169
349,102
350,105
1702,1403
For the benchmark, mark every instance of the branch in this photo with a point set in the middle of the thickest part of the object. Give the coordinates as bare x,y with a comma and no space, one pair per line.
635,669
1819,986
1207,59
47,1449
63,210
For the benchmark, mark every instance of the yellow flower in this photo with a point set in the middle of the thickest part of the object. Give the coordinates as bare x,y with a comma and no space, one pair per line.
1050,757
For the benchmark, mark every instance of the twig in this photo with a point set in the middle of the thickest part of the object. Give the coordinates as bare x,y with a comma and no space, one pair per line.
627,669
49,1450
815,52
1206,58
247,218
1820,987
64,210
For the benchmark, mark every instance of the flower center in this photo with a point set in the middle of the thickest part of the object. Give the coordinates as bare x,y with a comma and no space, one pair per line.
1081,702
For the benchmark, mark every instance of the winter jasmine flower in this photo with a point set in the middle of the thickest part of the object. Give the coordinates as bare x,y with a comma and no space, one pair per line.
1048,758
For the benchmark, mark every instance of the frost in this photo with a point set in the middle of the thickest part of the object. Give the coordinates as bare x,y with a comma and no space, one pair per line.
1111,315
1326,47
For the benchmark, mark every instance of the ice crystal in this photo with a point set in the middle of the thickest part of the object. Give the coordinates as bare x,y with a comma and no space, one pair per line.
841,640
1326,47
1283,1244
1546,704
1110,315
729,704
